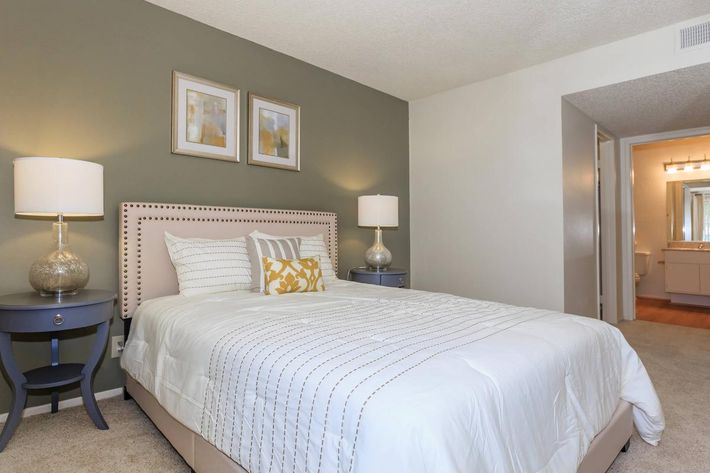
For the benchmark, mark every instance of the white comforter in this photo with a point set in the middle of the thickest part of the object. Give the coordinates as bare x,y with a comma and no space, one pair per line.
368,379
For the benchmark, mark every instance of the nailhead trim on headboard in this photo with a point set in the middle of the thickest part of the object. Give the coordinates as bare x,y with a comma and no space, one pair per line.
133,214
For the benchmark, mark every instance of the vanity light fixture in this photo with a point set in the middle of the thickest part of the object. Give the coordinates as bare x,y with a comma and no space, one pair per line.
687,166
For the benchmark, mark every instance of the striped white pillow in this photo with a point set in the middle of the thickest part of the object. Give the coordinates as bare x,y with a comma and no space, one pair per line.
277,248
205,266
311,246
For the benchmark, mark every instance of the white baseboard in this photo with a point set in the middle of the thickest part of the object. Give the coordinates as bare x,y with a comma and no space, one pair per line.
73,402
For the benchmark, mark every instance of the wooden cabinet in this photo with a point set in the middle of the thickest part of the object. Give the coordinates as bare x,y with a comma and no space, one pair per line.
683,278
705,279
688,272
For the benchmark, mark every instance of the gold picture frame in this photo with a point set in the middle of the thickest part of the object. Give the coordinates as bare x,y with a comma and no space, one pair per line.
205,118
274,133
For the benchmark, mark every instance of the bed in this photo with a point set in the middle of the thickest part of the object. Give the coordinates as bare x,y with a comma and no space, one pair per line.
364,378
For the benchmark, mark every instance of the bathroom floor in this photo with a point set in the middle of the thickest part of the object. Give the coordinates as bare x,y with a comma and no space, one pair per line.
662,311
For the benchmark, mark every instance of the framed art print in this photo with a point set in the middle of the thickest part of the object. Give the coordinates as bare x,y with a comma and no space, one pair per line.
205,118
274,133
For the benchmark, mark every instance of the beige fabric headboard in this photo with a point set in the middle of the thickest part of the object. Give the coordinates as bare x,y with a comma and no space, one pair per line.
145,268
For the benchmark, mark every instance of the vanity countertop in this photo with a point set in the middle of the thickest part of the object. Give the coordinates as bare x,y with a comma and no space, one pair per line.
705,249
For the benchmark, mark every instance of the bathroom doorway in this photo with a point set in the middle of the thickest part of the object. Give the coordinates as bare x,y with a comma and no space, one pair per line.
665,106
671,211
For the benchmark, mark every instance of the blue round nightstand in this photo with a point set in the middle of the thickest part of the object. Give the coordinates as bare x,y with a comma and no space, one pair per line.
391,277
32,313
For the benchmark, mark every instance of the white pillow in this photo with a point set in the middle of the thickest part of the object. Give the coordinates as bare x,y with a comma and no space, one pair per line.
311,246
205,266
279,248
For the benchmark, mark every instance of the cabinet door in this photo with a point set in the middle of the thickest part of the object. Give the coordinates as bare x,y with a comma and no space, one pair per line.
683,278
705,279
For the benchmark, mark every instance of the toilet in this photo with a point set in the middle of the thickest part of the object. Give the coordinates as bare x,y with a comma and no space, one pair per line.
641,259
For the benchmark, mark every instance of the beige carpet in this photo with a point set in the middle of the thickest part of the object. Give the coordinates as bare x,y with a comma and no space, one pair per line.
678,359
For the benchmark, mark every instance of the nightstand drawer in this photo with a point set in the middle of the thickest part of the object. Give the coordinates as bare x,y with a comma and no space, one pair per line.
54,320
372,278
393,280
393,277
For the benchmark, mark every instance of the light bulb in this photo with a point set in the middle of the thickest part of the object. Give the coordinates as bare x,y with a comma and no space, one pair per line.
688,168
705,167
671,170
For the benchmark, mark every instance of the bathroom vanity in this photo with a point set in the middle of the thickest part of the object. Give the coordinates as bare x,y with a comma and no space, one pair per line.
688,272
687,255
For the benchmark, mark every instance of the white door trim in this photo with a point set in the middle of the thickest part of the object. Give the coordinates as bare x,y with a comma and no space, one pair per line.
607,173
626,190
597,221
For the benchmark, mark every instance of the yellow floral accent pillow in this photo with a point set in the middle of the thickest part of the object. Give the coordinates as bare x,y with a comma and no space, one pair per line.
292,275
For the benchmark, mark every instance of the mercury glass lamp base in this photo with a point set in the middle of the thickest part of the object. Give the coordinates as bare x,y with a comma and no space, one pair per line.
62,272
378,257
58,294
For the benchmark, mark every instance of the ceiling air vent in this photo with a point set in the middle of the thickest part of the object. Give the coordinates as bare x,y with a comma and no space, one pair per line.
692,36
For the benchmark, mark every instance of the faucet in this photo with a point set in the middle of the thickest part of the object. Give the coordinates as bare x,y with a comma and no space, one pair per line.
701,246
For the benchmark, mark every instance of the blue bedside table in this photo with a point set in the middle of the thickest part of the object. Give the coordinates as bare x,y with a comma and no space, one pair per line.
392,277
31,313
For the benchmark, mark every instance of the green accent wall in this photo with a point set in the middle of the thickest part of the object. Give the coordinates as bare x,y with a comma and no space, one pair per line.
92,80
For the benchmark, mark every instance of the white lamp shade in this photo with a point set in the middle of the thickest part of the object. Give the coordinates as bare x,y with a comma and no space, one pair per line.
50,186
378,211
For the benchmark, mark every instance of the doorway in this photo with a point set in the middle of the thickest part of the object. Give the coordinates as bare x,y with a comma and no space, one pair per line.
668,189
660,107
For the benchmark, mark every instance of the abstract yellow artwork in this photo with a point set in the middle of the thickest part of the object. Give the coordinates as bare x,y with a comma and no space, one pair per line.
274,133
274,130
206,119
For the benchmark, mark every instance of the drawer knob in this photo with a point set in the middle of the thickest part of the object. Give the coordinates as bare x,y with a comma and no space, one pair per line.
58,319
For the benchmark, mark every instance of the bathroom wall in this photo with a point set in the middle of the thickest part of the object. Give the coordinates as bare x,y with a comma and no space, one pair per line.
650,202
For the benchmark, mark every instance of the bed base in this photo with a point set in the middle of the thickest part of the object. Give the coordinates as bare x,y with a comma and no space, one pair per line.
203,457
200,455
615,438
126,332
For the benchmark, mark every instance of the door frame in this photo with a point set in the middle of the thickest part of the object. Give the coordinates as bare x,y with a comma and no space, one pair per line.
626,190
606,168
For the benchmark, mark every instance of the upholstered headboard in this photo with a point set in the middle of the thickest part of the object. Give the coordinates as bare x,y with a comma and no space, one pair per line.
145,268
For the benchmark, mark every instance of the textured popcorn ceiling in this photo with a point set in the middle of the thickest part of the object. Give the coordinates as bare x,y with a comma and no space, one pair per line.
670,101
414,48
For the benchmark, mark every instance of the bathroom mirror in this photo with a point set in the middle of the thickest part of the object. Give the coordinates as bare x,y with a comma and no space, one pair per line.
688,210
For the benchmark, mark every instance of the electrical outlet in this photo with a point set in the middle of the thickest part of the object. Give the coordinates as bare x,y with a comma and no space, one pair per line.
116,346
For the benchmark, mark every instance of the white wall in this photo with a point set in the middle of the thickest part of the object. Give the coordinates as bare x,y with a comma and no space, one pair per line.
486,172
579,141
650,202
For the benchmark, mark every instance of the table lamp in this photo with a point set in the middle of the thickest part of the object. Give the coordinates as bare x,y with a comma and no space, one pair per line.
378,211
57,187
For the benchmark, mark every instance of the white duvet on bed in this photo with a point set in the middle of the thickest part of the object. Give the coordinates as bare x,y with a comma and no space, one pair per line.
368,379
